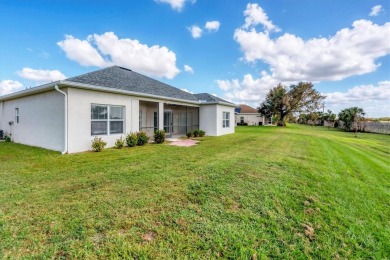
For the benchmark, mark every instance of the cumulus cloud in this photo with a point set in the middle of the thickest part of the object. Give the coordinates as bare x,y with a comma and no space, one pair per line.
107,49
255,15
176,5
41,75
248,90
9,86
188,69
361,93
375,10
212,26
374,99
351,51
82,52
186,90
195,31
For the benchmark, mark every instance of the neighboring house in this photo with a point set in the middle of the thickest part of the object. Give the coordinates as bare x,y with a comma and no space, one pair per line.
66,115
246,115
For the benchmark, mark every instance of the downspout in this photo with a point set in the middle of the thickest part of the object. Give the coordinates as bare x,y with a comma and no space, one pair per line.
66,117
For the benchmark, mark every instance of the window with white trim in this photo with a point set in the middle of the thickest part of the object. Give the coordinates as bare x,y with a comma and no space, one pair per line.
106,120
225,119
17,115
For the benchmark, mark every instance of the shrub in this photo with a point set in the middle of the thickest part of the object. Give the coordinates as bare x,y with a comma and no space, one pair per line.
159,136
7,138
201,133
190,134
196,132
119,143
131,139
98,144
142,138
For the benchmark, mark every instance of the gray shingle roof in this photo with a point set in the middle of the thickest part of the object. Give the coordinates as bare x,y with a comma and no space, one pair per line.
125,79
206,97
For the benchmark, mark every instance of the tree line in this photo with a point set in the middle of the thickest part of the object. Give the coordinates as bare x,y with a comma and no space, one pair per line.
284,102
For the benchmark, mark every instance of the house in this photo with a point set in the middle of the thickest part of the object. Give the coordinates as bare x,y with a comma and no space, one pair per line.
246,115
66,115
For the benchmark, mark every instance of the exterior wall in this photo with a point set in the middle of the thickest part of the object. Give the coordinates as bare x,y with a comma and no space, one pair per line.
220,129
79,117
41,120
250,119
208,119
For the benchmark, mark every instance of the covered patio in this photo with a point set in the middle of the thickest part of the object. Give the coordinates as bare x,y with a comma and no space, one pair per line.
176,120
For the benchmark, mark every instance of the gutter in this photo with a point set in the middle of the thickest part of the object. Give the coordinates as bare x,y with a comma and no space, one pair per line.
66,117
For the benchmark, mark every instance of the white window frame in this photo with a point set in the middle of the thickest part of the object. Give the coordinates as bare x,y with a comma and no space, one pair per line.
17,115
225,119
108,120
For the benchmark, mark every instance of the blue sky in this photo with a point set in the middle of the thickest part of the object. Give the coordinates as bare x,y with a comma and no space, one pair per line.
237,50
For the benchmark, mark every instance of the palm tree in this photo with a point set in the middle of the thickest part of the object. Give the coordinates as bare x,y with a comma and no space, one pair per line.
357,114
352,115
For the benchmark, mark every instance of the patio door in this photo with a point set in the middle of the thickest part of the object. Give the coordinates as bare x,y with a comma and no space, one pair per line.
168,123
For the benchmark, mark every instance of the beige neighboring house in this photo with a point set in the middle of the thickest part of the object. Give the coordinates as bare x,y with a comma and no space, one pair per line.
246,115
66,115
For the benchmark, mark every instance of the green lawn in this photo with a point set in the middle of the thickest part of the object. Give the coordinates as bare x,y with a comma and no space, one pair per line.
295,192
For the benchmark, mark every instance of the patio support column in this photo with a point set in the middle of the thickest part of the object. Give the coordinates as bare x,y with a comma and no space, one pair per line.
160,116
263,120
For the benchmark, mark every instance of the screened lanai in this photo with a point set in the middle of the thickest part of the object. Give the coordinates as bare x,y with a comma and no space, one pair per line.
177,120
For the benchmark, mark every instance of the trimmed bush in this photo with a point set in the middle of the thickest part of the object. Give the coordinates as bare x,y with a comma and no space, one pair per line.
7,138
98,144
131,139
196,132
201,133
190,134
159,136
142,138
119,143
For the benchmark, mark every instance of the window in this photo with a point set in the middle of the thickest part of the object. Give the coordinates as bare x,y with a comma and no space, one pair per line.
17,115
242,120
155,121
107,119
225,119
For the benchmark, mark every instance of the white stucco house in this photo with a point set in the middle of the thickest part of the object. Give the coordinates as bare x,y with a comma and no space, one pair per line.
66,115
246,115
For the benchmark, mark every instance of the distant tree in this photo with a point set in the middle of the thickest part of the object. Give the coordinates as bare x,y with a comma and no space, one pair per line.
329,117
313,116
352,117
282,101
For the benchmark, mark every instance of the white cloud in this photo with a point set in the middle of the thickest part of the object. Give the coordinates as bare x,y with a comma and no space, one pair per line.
212,26
349,52
375,100
188,69
255,15
41,75
107,49
249,90
9,86
186,90
195,31
375,10
82,52
176,5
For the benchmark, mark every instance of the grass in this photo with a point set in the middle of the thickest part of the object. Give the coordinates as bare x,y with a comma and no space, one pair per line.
263,192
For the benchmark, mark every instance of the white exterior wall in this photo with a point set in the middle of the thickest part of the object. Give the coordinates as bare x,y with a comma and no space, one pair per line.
41,120
207,119
210,117
220,129
250,119
79,117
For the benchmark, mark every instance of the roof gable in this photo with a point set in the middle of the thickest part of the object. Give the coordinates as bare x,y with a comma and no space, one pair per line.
246,109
